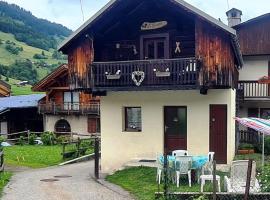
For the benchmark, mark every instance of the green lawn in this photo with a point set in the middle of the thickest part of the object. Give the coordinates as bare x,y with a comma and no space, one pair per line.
33,156
141,182
4,179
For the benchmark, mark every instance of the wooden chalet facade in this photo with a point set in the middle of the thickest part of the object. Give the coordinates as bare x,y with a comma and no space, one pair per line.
65,110
160,66
254,77
5,89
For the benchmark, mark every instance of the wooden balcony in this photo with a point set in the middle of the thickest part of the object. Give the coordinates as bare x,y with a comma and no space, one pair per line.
145,75
69,108
253,90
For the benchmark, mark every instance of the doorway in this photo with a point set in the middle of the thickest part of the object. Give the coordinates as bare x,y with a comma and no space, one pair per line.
175,128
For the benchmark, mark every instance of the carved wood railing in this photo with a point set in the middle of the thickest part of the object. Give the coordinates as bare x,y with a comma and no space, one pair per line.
182,73
253,89
69,108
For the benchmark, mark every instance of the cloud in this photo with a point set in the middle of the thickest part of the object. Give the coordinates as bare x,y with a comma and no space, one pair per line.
68,12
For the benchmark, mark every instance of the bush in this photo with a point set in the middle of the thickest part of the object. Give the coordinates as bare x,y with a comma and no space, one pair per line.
245,146
264,179
21,140
2,139
32,138
48,138
267,145
61,139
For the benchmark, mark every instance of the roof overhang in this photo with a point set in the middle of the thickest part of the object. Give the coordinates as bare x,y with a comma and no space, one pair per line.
42,84
88,24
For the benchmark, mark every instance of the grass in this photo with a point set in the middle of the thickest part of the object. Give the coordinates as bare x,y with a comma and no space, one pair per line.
141,182
4,179
7,58
33,156
19,90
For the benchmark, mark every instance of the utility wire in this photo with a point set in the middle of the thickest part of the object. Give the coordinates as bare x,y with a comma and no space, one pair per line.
82,9
228,4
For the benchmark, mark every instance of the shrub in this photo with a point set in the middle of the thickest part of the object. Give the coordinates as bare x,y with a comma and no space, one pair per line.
264,179
267,145
2,139
245,146
32,138
21,140
61,139
48,138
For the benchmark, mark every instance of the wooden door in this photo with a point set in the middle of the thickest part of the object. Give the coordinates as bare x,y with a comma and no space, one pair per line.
155,46
175,128
218,132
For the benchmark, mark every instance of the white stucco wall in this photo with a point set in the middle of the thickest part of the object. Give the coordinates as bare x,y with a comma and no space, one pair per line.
78,124
254,67
118,147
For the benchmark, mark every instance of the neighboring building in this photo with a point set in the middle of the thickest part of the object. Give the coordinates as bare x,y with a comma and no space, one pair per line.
166,73
254,92
19,113
5,89
65,110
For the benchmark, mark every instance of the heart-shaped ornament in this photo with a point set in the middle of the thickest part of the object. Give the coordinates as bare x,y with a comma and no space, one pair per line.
138,77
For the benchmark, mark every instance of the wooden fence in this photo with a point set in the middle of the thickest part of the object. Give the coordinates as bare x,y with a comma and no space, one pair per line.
249,136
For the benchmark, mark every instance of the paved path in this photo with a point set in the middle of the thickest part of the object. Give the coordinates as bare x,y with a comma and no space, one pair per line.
27,185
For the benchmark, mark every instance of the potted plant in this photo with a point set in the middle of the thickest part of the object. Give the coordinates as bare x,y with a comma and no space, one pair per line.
245,148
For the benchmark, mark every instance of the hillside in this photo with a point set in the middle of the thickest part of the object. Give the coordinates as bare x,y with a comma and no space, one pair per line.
28,46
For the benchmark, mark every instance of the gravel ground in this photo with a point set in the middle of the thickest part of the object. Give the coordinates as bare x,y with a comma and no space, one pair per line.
26,185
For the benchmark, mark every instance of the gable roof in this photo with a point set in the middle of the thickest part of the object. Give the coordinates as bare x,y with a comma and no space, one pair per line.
181,3
256,19
22,101
234,9
42,84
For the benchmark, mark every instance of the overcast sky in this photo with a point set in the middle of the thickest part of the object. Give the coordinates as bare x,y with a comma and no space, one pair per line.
68,12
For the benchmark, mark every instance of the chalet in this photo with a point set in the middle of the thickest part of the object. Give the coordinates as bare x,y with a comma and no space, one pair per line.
19,113
5,89
254,77
66,111
167,75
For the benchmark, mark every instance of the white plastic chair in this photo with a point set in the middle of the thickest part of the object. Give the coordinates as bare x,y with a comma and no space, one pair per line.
159,169
207,168
183,167
180,153
238,177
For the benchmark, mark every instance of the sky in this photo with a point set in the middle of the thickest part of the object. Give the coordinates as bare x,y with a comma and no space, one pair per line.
68,12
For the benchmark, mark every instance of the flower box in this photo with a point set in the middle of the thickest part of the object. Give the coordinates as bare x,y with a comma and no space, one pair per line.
246,151
113,76
162,74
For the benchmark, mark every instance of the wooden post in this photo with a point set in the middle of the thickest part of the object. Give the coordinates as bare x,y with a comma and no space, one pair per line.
28,135
96,158
214,181
165,176
248,179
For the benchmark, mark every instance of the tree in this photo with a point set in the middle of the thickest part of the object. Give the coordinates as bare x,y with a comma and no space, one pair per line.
7,79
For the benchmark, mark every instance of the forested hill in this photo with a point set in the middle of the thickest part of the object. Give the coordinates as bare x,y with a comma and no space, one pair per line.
29,29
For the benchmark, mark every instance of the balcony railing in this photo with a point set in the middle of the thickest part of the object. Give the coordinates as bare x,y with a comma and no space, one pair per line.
69,108
145,74
253,89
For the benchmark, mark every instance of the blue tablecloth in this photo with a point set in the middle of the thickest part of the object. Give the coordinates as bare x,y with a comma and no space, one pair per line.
197,161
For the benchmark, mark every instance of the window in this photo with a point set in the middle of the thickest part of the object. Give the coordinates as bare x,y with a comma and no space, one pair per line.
62,126
133,119
71,100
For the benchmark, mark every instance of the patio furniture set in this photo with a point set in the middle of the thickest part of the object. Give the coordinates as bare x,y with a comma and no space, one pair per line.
180,163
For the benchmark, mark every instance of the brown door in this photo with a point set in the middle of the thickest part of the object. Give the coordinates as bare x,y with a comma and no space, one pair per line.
218,132
175,128
155,46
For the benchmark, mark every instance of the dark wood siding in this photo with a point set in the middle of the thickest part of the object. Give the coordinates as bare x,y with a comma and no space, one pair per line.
79,59
214,48
254,37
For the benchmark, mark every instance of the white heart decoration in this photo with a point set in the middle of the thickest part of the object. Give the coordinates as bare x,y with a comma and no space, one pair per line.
140,74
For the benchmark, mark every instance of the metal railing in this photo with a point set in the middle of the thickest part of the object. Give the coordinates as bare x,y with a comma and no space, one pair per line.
69,108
